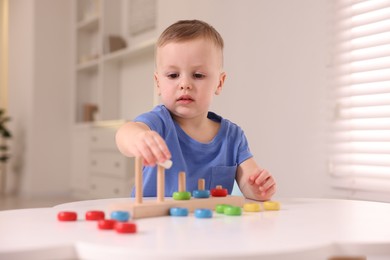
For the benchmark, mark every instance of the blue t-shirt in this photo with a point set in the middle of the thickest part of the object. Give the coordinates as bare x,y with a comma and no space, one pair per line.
216,161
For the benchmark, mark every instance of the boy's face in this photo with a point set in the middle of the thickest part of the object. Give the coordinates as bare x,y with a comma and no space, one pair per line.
188,75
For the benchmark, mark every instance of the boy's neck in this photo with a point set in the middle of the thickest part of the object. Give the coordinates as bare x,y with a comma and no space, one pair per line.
201,129
195,122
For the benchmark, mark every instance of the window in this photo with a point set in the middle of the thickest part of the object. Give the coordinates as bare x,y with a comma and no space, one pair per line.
360,143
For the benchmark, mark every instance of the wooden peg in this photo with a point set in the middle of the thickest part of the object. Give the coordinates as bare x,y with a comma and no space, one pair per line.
181,194
201,192
138,180
201,184
160,183
182,182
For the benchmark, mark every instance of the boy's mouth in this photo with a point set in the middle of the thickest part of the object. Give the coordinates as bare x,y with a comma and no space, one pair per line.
185,98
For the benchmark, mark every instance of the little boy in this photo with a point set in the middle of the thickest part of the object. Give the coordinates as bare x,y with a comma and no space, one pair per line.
189,72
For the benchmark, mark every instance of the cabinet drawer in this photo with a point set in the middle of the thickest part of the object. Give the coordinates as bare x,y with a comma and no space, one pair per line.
103,187
112,164
103,138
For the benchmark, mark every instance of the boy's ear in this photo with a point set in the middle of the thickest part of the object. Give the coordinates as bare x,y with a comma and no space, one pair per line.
157,83
222,78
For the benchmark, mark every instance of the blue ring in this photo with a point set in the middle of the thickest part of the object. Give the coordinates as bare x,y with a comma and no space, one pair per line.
201,194
121,216
178,212
203,213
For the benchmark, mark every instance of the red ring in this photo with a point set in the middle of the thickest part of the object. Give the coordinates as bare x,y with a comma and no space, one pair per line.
94,215
125,227
67,216
219,192
106,224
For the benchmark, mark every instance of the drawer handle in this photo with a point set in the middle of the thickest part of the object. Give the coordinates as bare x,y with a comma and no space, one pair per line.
93,187
94,162
117,164
116,191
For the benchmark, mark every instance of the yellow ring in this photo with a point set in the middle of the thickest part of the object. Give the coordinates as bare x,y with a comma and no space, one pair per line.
271,205
252,207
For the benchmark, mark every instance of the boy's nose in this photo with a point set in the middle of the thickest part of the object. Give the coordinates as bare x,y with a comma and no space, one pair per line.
185,82
185,86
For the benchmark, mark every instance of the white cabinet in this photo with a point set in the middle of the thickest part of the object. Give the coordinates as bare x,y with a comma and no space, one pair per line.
110,173
99,170
112,80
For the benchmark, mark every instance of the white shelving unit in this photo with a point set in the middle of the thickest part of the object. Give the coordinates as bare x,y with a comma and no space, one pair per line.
112,83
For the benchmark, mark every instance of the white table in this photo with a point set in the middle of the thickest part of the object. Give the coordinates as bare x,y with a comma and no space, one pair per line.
302,229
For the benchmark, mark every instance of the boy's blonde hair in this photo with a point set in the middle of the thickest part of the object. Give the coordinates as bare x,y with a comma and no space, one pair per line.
188,30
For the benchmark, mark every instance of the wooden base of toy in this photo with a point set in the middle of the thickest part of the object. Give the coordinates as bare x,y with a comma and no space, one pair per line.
155,208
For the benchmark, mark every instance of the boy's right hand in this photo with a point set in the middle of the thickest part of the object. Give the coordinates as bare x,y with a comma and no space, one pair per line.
152,147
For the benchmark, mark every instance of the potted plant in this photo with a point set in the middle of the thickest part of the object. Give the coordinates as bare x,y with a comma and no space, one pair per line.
4,156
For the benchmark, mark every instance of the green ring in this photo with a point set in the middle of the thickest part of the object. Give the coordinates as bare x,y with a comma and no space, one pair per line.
184,195
220,208
233,211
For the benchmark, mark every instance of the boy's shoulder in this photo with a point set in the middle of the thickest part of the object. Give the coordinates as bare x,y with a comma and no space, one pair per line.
157,119
228,124
159,111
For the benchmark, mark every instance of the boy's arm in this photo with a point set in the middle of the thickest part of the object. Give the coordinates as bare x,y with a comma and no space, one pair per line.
254,182
137,139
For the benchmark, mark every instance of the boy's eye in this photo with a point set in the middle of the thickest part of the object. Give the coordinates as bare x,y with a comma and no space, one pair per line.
173,75
198,76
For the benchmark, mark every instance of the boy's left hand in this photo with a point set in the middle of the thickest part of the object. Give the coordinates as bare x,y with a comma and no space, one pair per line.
262,184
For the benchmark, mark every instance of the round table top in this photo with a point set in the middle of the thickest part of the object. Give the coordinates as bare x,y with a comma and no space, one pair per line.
303,228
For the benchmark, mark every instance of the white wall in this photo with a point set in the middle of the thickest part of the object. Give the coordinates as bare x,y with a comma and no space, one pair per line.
39,95
3,53
21,78
275,58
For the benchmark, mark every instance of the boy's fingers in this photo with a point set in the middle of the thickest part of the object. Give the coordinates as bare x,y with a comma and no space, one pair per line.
145,149
147,155
272,189
163,148
253,177
263,175
269,192
159,156
150,149
268,183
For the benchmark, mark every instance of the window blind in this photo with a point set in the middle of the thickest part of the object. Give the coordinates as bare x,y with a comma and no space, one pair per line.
360,143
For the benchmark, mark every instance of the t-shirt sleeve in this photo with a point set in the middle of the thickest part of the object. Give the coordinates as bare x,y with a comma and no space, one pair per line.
244,152
150,119
154,119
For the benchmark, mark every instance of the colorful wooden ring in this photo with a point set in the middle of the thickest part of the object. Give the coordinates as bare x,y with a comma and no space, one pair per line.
219,192
181,195
201,194
67,216
271,205
125,227
94,215
203,213
220,208
178,212
232,211
106,224
252,207
121,216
